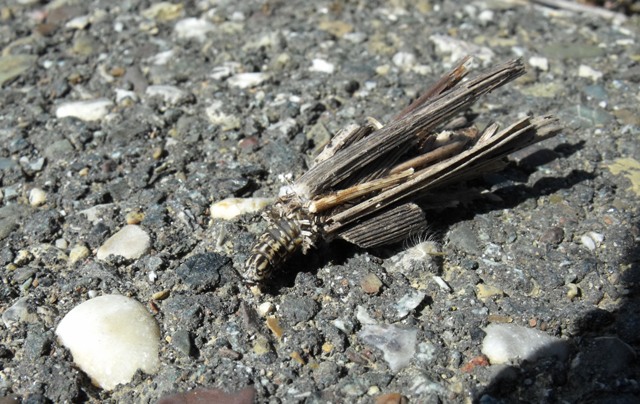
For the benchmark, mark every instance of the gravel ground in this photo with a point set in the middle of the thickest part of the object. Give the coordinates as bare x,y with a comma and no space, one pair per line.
170,123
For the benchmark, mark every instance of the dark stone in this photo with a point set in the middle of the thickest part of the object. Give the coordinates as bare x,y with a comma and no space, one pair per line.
37,343
182,342
553,235
184,311
202,271
43,225
295,310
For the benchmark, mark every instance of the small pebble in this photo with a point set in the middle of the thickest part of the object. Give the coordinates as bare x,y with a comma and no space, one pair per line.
589,72
161,295
539,62
362,316
505,343
78,23
230,208
398,345
404,60
457,48
408,302
78,253
131,242
484,291
89,110
169,94
125,96
274,325
217,116
443,284
371,284
193,28
265,308
163,11
553,235
573,291
322,66
295,355
134,217
37,197
110,338
261,346
486,16
19,313
391,398
61,244
23,257
247,80
592,240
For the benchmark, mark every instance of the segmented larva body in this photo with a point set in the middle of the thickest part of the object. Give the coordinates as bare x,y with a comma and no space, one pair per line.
291,227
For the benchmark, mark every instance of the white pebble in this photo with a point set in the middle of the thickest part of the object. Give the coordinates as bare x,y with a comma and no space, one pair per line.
247,80
265,308
592,240
539,62
486,16
193,28
77,253
162,58
61,244
78,23
110,338
37,197
322,66
19,313
458,49
230,208
217,116
505,343
224,71
130,242
170,94
409,302
404,60
443,284
398,345
355,37
89,110
589,72
122,95
363,316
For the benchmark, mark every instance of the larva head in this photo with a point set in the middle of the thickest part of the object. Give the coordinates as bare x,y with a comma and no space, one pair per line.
257,269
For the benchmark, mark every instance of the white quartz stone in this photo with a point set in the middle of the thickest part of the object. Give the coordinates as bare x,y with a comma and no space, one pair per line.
88,110
110,338
505,343
130,242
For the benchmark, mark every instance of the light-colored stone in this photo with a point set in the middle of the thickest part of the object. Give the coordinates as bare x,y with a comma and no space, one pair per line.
110,338
322,66
539,62
37,197
131,242
169,94
505,343
247,80
230,208
88,110
78,253
193,28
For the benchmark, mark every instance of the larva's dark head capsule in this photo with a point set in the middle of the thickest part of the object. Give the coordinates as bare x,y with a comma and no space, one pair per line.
257,269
